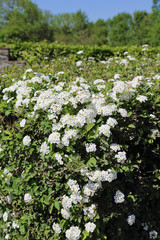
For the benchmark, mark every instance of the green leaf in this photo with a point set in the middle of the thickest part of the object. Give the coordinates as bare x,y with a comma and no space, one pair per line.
131,126
57,205
92,162
51,208
89,126
22,229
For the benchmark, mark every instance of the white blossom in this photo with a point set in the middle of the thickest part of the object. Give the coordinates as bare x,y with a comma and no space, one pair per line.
22,123
131,219
27,198
153,234
44,148
141,98
80,52
90,227
15,224
5,216
56,228
73,233
90,147
54,137
26,140
79,63
119,197
59,158
121,157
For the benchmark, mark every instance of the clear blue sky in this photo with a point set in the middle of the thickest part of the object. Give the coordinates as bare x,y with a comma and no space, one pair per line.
95,9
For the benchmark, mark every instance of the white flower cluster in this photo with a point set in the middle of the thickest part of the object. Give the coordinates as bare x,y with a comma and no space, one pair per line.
27,140
105,130
90,211
7,175
44,148
115,147
27,198
121,157
90,147
141,98
22,123
59,158
153,234
54,137
90,227
73,233
56,228
119,197
131,219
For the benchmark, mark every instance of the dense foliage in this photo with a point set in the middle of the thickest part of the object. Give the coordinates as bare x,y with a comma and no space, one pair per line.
30,51
79,148
22,20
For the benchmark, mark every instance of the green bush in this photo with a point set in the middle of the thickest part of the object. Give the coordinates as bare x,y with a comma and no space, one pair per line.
19,50
79,148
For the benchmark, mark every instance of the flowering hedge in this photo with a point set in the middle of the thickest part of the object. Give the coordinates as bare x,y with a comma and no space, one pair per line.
79,150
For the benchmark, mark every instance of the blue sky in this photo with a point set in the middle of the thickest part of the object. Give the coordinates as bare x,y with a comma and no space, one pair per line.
95,9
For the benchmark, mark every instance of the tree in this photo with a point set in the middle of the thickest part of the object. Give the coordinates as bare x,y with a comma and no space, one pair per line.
120,30
142,26
70,27
156,4
23,20
99,33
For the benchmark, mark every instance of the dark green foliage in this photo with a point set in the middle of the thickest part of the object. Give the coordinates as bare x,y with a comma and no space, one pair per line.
22,20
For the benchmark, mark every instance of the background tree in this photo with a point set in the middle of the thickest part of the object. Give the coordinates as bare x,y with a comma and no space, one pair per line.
121,30
23,20
99,33
142,27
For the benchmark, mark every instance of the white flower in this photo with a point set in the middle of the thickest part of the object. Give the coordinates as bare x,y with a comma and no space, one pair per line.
121,157
153,234
9,198
73,233
5,216
90,147
44,148
115,147
59,73
54,137
56,227
15,225
65,213
26,140
27,198
90,227
97,81
79,63
141,98
90,211
79,52
119,197
7,236
131,219
117,76
145,226
123,112
23,122
105,130
112,122
59,158
66,202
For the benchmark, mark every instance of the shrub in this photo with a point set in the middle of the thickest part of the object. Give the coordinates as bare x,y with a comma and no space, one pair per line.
79,150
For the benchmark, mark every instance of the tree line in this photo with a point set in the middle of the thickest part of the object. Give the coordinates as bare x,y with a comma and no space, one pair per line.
22,20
